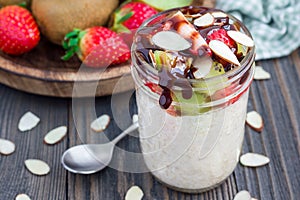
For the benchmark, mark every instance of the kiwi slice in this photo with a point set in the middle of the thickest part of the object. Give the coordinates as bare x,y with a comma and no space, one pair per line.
167,4
215,84
189,106
162,59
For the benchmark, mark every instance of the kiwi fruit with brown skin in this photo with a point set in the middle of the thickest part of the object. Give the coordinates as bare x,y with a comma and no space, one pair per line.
14,2
56,18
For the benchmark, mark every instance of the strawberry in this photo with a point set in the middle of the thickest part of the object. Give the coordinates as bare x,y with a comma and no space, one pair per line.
221,35
129,17
19,32
96,47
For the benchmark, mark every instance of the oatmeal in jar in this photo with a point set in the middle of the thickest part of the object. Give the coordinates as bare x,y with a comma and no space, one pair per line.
192,67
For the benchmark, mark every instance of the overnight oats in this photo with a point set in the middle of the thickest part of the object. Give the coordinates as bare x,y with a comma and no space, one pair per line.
192,67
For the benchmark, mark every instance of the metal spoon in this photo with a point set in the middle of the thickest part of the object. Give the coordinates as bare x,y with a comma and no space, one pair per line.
91,158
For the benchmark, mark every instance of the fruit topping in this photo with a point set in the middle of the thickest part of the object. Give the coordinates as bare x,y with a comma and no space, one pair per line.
221,35
202,45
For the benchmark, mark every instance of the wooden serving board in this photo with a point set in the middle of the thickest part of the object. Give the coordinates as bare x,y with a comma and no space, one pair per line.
42,72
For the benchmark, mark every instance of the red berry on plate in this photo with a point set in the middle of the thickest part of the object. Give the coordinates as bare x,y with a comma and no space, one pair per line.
130,16
19,32
96,47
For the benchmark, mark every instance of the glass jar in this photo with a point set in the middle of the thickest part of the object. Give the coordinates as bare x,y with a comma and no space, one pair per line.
193,145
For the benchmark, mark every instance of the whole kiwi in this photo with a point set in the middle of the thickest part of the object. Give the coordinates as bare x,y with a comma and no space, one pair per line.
56,18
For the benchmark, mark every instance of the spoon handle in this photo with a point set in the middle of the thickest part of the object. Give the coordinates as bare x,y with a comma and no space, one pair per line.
131,128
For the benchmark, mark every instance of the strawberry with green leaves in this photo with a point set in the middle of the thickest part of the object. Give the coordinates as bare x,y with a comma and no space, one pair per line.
129,17
96,47
19,32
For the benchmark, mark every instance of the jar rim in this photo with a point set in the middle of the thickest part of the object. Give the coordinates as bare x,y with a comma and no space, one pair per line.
232,73
230,76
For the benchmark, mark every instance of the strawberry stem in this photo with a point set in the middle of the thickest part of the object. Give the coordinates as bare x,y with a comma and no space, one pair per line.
23,4
71,43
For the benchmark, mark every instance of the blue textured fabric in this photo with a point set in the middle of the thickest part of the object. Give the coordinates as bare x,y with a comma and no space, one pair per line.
274,24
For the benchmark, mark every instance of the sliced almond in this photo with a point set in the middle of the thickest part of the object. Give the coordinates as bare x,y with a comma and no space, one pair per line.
219,14
37,167
134,193
205,20
254,160
22,197
241,38
55,135
170,40
101,123
135,118
6,147
223,51
261,74
203,65
28,121
255,121
242,195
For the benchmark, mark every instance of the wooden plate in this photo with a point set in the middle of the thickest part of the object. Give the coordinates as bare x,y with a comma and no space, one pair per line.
42,72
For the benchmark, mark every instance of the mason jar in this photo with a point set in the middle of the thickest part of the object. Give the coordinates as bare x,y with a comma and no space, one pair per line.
193,144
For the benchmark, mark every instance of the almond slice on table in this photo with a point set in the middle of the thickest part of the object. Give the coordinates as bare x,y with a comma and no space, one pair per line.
242,195
55,135
261,74
241,38
37,167
223,51
28,121
254,160
205,20
135,118
134,193
255,121
22,197
170,40
7,147
101,123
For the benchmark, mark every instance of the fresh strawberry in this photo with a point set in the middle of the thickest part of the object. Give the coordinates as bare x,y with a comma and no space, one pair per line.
129,17
221,35
96,47
19,32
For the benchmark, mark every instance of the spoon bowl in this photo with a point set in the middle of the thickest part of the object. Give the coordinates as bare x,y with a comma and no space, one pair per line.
91,158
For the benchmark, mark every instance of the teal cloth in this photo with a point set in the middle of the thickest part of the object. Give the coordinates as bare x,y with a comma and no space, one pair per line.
274,24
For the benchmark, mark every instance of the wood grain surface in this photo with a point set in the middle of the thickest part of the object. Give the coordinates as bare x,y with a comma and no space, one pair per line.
277,100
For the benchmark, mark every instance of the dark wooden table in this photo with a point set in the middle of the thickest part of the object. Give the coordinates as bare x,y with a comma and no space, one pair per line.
277,100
